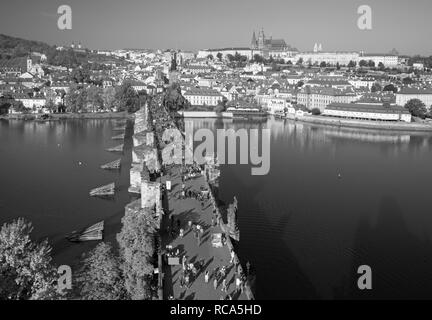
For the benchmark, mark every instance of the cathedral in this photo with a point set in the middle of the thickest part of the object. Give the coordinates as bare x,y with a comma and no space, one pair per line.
267,44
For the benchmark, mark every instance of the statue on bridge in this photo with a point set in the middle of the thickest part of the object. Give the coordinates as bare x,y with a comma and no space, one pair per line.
233,230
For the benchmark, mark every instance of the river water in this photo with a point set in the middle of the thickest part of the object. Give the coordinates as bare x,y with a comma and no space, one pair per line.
46,172
334,199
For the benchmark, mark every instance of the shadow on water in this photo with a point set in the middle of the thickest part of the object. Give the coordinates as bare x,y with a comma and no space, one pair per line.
391,251
288,281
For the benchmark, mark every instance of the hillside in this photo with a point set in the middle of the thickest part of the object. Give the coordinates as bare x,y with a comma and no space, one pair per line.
17,47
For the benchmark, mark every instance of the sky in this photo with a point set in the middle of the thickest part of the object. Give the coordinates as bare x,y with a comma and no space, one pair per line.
200,24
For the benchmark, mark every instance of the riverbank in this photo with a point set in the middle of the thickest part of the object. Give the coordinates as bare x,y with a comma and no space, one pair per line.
364,124
68,116
206,114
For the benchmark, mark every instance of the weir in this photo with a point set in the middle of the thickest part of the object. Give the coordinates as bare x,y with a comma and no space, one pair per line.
112,165
118,148
106,190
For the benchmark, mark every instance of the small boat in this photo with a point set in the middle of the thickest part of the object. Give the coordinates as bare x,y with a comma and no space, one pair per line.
94,232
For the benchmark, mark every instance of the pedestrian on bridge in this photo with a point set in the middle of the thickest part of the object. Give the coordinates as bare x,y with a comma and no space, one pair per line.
239,285
224,286
187,283
232,256
215,284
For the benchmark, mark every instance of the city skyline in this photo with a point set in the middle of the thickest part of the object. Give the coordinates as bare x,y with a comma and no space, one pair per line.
194,25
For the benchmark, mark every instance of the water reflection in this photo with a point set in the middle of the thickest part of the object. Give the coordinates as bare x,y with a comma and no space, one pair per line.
46,172
335,199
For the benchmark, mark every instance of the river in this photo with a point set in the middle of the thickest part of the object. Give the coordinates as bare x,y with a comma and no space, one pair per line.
334,199
46,172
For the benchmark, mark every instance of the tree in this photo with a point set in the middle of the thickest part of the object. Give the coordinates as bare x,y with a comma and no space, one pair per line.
137,248
18,106
108,97
94,97
338,66
300,84
417,108
4,106
352,64
221,106
376,87
316,111
258,58
76,99
323,64
363,63
50,105
219,56
126,98
80,75
210,57
275,67
371,64
381,66
26,271
407,80
299,62
100,276
390,87
173,99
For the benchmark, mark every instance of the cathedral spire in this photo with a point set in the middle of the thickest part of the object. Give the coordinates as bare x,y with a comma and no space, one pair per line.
253,41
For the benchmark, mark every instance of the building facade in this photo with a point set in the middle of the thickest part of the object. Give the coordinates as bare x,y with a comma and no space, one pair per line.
407,94
376,112
321,97
200,97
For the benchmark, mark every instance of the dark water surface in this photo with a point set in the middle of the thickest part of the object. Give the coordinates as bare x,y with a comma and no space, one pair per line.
306,229
41,179
333,200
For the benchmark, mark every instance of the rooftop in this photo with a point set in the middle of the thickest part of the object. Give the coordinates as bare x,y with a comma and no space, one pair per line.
374,108
407,90
202,92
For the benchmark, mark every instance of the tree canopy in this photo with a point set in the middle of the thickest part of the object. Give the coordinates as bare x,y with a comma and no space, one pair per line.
417,108
100,276
173,100
137,250
390,87
26,271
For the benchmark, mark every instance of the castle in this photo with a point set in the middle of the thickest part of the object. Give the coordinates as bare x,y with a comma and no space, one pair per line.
267,44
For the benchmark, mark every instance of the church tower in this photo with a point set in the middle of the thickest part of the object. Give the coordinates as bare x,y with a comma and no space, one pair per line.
254,43
29,63
261,40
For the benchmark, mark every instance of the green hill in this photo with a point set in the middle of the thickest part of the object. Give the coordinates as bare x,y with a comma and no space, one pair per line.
17,47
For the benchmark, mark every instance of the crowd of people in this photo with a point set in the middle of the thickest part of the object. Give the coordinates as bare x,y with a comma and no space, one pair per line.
191,271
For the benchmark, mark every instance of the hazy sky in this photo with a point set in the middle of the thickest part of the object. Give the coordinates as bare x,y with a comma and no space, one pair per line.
195,24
